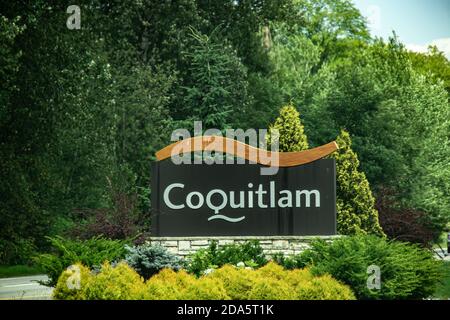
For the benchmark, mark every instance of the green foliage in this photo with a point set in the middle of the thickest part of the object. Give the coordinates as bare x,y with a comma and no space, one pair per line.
296,75
22,220
66,252
289,131
115,283
17,250
70,132
250,253
168,285
114,90
407,271
384,103
111,283
206,289
148,260
331,24
355,203
72,283
432,63
218,85
270,282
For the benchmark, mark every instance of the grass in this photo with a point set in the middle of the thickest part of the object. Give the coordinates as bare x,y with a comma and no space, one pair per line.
19,270
443,291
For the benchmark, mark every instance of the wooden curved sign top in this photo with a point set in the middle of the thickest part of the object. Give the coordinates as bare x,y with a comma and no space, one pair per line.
240,149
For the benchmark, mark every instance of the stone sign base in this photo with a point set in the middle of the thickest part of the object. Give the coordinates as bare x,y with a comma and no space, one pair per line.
289,245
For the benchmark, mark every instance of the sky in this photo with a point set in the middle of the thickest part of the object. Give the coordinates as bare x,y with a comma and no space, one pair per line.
418,23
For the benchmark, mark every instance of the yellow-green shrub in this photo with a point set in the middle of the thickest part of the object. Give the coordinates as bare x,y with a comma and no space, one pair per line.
72,283
270,289
205,288
298,277
272,270
115,283
323,288
171,285
270,282
167,285
237,282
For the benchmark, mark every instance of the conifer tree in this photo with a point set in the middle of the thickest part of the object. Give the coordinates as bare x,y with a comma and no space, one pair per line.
218,87
356,213
290,130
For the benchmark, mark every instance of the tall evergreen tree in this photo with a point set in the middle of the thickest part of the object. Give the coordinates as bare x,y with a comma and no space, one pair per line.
290,130
218,82
355,203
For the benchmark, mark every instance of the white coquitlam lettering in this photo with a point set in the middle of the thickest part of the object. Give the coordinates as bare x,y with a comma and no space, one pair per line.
218,199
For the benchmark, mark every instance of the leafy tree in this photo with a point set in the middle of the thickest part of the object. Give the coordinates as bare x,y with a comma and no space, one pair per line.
299,76
403,223
356,213
290,131
265,94
242,24
332,25
385,103
66,134
433,62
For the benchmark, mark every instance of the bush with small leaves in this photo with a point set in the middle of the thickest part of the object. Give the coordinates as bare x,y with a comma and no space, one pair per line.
65,252
270,289
229,282
250,253
237,282
72,283
115,283
407,271
167,285
205,288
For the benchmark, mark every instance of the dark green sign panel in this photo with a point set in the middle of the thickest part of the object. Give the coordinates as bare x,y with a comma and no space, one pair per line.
236,200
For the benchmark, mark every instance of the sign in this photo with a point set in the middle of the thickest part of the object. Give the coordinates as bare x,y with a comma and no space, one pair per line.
236,200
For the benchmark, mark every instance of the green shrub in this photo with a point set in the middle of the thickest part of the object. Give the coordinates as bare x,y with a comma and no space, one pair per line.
115,283
147,260
120,282
301,285
270,282
228,282
291,262
291,132
66,252
270,289
64,291
237,282
171,285
407,271
168,285
355,204
17,251
249,252
205,288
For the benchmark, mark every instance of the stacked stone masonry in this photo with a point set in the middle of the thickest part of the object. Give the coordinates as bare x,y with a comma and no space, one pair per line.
289,245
